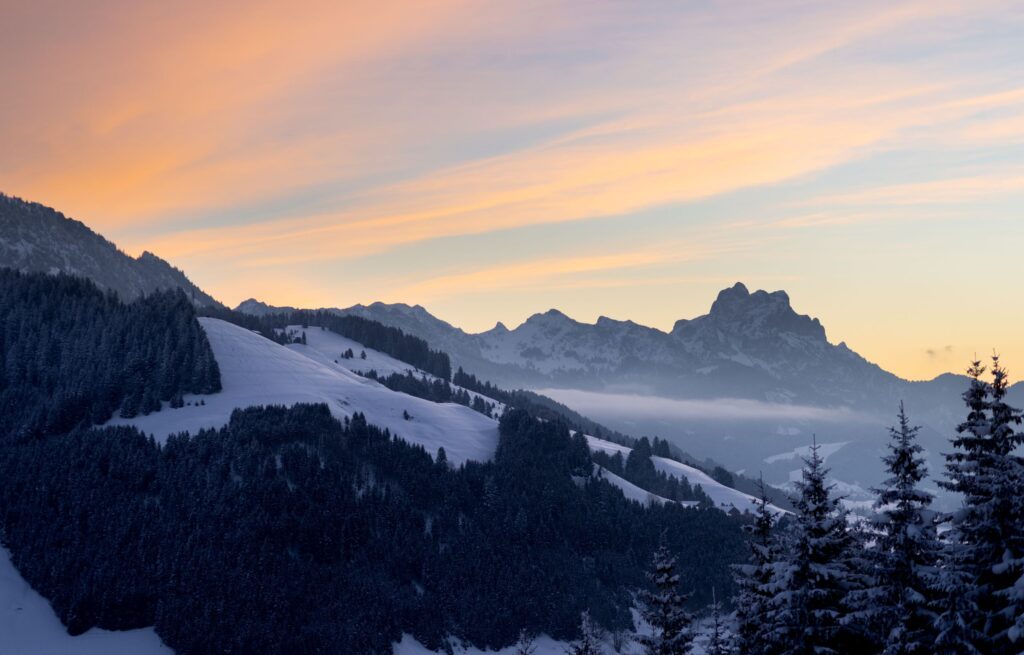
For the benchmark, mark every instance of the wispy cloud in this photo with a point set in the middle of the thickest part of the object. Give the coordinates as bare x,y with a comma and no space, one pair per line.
980,187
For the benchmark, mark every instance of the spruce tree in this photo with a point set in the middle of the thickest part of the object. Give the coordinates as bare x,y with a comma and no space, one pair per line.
753,579
898,607
664,610
987,536
810,583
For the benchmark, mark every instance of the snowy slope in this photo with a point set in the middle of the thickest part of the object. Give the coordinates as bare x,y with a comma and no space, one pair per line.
28,625
326,347
723,496
633,492
257,371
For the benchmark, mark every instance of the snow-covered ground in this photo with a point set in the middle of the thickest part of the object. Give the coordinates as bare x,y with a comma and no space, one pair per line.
256,371
633,492
28,625
723,496
327,347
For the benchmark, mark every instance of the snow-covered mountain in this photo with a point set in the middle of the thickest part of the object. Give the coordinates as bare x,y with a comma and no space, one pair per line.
35,238
749,345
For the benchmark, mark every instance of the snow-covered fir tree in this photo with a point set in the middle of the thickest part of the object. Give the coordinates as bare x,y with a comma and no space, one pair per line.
811,580
754,577
985,561
664,611
588,643
720,639
897,609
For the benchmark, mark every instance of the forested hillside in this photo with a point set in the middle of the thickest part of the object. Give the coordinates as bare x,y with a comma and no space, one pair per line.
338,537
73,355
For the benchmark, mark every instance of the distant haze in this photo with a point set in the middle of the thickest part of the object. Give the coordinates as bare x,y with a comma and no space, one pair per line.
629,406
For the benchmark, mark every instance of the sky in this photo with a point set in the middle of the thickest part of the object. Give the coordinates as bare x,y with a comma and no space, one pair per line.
491,160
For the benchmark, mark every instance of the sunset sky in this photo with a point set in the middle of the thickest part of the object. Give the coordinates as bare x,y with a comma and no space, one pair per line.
491,160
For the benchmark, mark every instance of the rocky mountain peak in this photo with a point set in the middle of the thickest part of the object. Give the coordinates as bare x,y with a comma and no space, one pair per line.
761,313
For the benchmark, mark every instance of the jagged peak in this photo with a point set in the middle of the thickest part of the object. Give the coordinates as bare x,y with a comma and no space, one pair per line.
738,299
737,309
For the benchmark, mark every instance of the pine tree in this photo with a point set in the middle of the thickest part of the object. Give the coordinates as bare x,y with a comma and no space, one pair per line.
987,536
810,584
663,609
754,578
898,607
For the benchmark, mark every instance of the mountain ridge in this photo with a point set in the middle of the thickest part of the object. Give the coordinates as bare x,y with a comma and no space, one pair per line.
748,345
37,238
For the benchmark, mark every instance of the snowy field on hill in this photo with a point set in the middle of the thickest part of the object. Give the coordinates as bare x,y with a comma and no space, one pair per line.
256,371
28,625
723,496
326,347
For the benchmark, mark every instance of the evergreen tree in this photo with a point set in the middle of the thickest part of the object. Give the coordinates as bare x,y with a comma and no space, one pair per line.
987,536
754,578
810,583
664,609
898,607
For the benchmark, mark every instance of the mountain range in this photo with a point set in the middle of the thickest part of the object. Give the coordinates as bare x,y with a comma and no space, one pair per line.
748,384
750,345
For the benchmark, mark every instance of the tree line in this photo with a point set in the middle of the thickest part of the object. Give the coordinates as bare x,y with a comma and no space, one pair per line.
435,390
